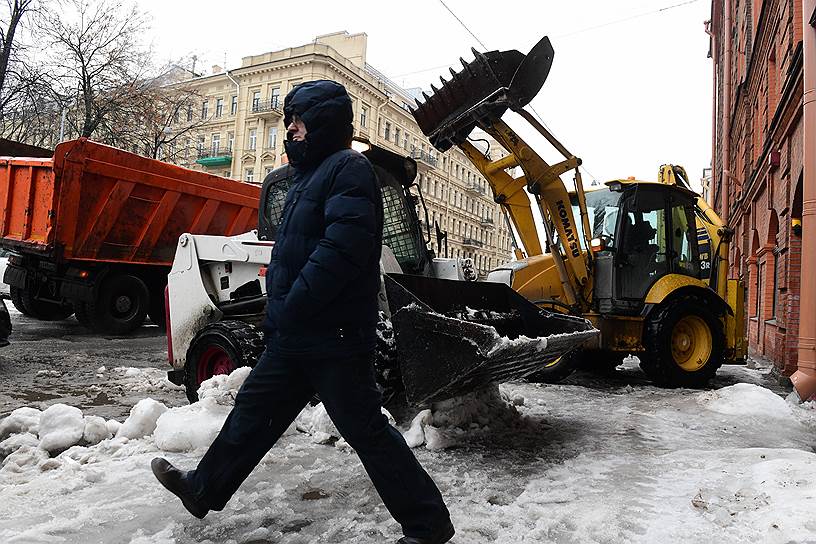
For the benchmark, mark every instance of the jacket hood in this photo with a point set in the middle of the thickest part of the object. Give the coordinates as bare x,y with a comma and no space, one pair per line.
325,108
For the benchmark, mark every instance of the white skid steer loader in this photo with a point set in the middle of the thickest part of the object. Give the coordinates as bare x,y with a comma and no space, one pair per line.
441,334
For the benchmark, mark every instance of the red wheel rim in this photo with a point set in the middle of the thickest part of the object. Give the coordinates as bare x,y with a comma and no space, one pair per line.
212,362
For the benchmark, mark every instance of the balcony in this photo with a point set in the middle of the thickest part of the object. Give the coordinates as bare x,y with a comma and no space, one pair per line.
472,242
425,157
474,189
213,159
270,106
487,222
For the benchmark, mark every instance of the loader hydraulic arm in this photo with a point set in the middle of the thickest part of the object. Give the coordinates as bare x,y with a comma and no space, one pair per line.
543,181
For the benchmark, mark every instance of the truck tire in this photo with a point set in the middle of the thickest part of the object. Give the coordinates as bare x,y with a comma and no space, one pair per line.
16,295
684,344
121,305
41,309
220,348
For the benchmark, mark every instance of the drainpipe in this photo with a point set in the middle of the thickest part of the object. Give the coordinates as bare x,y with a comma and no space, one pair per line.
726,113
804,379
235,141
713,52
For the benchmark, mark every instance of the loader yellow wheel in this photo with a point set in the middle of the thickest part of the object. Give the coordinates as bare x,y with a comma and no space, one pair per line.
691,343
684,343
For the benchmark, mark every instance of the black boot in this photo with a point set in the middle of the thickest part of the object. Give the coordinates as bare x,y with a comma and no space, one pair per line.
439,536
173,479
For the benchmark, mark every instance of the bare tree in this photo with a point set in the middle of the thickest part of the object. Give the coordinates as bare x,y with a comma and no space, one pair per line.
9,26
96,58
161,118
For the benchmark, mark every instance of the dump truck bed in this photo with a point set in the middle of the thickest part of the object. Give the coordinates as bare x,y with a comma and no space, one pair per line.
92,202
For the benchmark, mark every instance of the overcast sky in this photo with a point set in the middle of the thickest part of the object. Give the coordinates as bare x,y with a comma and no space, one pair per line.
630,86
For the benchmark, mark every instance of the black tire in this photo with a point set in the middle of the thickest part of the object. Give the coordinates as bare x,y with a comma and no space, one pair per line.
16,295
81,314
43,310
121,305
156,311
558,370
684,344
220,348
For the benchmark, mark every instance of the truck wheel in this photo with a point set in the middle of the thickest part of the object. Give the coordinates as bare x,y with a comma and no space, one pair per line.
684,344
121,305
220,348
16,295
43,310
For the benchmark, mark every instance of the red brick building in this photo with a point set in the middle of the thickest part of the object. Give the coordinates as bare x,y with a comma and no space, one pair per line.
757,162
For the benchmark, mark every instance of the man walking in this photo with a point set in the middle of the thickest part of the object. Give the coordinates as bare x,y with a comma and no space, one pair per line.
322,285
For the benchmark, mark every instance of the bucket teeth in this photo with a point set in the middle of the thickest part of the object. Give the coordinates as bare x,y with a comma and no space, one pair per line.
472,96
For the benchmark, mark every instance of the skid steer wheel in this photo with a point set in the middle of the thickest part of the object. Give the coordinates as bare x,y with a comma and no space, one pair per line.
684,344
39,309
121,305
220,348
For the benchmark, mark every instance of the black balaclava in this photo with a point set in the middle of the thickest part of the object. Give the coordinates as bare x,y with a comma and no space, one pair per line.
325,108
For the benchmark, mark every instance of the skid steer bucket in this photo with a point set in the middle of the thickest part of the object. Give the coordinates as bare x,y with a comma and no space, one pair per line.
454,337
481,91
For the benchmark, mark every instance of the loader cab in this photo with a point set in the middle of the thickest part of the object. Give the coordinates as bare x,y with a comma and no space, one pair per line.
648,230
401,228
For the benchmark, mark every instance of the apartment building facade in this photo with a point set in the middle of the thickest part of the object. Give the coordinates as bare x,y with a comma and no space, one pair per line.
241,136
758,162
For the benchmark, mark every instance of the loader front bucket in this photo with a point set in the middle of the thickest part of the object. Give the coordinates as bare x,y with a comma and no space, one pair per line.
481,91
454,336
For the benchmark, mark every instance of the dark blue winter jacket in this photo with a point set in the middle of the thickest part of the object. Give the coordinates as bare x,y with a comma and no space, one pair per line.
323,279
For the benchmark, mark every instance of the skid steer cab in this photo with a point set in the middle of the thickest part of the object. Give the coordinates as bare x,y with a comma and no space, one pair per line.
441,334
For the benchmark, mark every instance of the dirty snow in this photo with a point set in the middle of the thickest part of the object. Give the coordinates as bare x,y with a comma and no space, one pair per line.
595,460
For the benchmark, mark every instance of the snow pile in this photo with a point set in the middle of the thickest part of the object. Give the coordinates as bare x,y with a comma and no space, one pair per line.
21,420
189,428
223,387
745,399
140,380
461,419
142,419
61,426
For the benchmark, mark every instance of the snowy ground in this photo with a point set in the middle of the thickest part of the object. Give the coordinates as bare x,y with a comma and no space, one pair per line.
598,459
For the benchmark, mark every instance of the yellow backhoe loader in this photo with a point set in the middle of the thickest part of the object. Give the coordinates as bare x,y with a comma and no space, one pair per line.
644,261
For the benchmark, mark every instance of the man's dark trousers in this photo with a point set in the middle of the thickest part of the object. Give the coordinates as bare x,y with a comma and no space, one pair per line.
275,392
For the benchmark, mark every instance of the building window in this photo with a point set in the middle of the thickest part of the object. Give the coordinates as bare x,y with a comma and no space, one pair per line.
268,170
249,174
234,104
253,139
230,141
272,138
219,107
275,97
405,141
215,144
387,134
204,107
363,116
397,135
202,141
256,100
189,113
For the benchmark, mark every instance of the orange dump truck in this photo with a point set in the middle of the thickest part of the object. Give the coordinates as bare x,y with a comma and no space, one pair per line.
93,230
